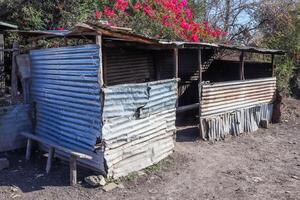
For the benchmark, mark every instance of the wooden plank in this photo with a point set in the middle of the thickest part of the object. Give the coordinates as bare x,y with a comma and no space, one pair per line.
273,66
14,81
42,140
73,170
100,72
49,159
242,66
175,62
201,133
28,149
187,107
2,74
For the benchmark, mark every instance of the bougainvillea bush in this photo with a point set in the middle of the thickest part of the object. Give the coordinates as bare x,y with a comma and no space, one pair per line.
164,19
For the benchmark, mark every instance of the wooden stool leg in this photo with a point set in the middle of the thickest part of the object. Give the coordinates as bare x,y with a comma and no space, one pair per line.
73,170
49,159
28,149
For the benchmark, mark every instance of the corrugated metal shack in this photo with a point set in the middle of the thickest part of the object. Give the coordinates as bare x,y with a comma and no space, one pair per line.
105,99
116,100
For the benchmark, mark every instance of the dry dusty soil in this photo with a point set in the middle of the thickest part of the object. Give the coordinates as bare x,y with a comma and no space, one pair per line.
261,165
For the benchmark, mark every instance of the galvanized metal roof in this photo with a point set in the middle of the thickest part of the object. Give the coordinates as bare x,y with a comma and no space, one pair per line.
125,34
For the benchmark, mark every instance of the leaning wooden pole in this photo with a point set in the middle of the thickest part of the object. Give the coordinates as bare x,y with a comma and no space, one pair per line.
201,133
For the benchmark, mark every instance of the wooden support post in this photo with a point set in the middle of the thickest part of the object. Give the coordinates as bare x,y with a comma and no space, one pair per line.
100,72
273,66
28,149
14,81
175,61
202,136
73,170
242,66
175,64
49,159
2,76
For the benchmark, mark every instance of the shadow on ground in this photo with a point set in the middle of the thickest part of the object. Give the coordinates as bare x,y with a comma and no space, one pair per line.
31,176
187,134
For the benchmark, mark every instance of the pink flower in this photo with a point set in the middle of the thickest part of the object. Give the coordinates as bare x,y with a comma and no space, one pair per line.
184,24
108,12
137,7
183,3
148,11
98,14
194,38
214,34
188,13
121,5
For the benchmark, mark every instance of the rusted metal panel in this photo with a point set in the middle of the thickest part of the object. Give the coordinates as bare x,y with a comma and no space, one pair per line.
13,119
228,96
235,107
128,66
239,121
138,125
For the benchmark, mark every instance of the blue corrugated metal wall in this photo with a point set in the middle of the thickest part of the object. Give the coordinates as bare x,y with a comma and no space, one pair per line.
67,95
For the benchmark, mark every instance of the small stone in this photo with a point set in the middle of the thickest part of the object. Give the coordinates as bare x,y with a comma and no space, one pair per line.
4,163
110,187
153,191
295,177
95,181
264,123
257,179
14,188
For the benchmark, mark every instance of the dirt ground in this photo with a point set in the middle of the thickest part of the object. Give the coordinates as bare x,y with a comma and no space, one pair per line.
260,165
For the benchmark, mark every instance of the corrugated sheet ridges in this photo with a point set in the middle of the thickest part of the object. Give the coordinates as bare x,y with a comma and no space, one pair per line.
13,119
128,66
228,96
139,122
67,95
234,123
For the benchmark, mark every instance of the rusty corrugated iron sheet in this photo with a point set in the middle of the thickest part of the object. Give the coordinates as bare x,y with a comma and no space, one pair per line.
126,34
235,107
239,121
13,120
128,66
138,125
228,96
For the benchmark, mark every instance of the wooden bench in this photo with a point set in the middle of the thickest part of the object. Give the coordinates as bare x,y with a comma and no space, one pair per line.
52,147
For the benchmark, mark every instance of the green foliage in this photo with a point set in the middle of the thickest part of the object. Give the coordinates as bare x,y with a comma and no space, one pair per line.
284,73
284,34
132,176
153,168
